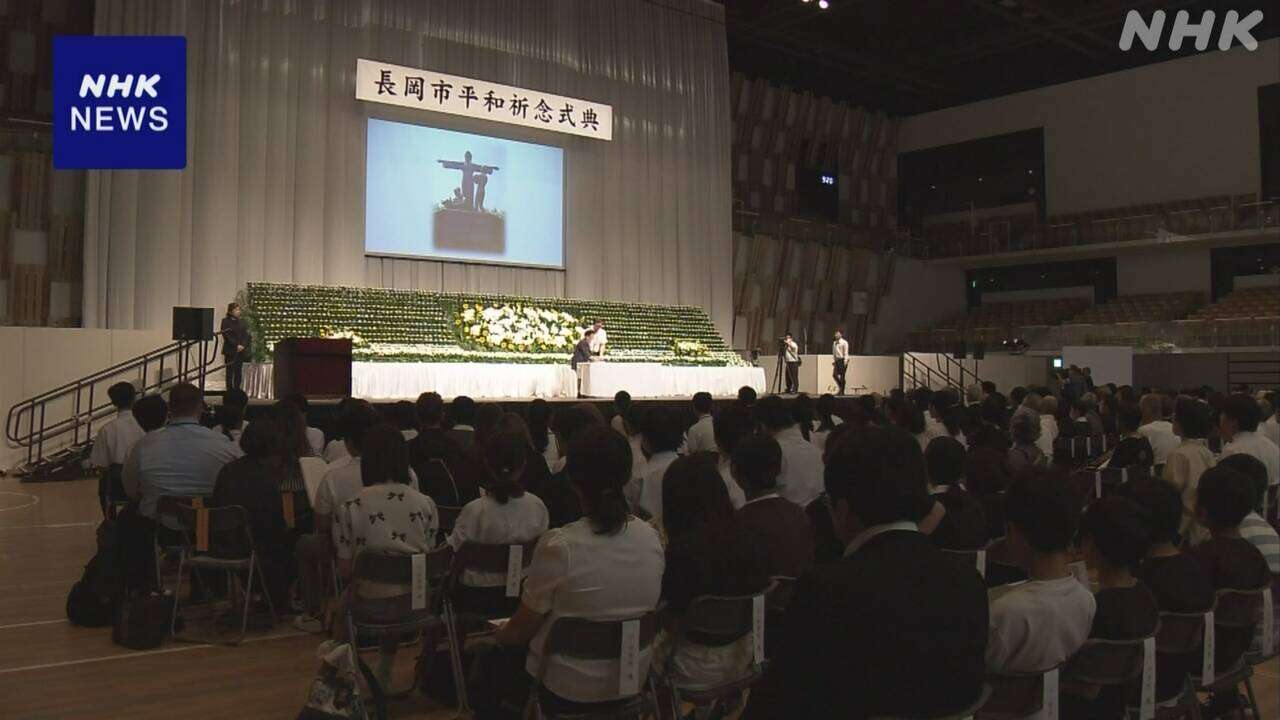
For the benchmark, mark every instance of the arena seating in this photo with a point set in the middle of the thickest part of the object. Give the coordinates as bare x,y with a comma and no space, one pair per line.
995,322
1154,307
1253,303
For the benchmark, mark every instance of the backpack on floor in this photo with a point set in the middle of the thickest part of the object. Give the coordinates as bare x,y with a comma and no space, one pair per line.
142,621
93,599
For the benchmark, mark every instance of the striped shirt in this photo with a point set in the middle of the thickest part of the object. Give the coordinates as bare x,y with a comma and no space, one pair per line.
1262,536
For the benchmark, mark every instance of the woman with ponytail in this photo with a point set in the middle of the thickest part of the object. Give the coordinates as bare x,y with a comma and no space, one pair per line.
606,565
504,514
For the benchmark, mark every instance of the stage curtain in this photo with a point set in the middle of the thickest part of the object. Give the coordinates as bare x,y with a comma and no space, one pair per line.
274,184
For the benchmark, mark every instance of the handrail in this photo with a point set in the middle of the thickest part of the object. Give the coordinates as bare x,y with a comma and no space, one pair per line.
956,362
85,410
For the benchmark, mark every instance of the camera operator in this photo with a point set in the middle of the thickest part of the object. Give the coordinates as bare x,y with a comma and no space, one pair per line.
790,352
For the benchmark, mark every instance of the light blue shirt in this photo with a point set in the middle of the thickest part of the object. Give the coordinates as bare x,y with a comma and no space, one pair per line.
181,459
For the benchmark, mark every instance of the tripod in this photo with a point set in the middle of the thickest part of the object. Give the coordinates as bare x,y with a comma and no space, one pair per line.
776,387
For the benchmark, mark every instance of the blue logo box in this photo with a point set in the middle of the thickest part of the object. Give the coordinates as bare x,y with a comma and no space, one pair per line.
119,102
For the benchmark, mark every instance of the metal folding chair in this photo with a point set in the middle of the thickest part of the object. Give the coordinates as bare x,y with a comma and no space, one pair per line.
1015,695
965,714
393,613
219,540
1236,614
582,639
167,520
720,621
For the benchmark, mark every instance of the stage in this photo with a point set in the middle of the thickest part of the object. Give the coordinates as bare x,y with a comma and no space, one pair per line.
511,381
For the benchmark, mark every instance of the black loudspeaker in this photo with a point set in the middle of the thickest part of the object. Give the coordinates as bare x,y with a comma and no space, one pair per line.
192,323
979,350
959,351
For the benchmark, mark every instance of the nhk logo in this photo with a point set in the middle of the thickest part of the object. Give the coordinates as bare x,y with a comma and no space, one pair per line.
120,102
1234,29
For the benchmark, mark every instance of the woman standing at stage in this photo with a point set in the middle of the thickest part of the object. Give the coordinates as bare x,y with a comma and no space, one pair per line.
235,346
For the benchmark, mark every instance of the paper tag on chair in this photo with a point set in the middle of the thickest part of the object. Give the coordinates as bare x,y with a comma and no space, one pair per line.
1080,572
1207,669
1148,707
202,530
1268,623
419,581
757,627
515,568
1097,484
980,562
1124,475
1049,708
1088,446
287,501
629,670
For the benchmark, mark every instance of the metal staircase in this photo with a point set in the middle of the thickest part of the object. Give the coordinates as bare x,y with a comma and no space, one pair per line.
57,426
944,371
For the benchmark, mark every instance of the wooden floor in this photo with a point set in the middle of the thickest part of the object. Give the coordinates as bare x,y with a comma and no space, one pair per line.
49,669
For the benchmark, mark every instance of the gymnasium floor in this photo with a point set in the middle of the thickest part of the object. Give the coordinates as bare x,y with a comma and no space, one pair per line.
49,669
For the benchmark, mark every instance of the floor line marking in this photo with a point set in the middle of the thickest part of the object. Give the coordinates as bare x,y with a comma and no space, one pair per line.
34,500
144,653
32,624
54,526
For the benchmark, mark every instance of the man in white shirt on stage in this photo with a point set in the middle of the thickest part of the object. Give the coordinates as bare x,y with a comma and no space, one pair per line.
839,360
791,356
599,340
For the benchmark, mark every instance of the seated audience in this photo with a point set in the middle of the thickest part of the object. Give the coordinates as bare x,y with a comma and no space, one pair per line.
253,482
1186,463
292,429
538,418
801,479
563,503
1253,528
1048,425
388,516
315,436
987,479
1176,579
1271,426
747,397
661,437
730,427
459,481
1025,430
336,449
113,442
700,436
963,524
1039,624
910,418
826,407
1156,428
1134,451
606,565
621,407
151,412
1238,423
1223,499
404,415
708,553
892,594
231,414
182,459
487,417
989,431
789,542
462,418
504,515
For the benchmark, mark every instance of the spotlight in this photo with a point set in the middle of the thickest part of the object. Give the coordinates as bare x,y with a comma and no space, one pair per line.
806,1
823,4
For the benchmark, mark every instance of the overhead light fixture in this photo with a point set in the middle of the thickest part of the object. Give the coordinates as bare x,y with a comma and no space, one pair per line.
823,4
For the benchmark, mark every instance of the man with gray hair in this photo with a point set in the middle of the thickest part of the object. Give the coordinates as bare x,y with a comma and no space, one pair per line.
1157,430
1030,406
1048,424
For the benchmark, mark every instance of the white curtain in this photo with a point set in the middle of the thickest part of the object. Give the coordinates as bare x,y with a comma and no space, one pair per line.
274,184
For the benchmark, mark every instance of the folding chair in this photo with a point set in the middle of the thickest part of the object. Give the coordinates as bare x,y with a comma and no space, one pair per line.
219,540
715,620
1109,663
582,639
479,557
168,523
396,613
968,559
298,514
965,714
1236,614
1018,695
448,517
775,607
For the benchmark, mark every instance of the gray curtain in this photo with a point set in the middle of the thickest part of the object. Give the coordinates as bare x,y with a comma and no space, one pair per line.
274,184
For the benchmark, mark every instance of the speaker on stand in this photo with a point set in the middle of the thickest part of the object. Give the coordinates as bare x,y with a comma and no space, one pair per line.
192,325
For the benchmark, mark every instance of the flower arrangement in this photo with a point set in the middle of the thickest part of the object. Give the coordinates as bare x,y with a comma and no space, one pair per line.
516,328
356,340
688,348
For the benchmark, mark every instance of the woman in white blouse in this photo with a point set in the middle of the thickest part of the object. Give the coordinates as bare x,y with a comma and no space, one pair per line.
1188,461
504,514
608,565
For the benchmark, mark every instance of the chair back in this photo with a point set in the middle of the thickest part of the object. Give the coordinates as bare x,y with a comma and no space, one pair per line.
968,559
779,597
1015,695
168,506
583,639
434,473
223,531
964,714
313,470
297,509
485,558
1238,608
1180,633
448,515
720,620
1107,662
392,574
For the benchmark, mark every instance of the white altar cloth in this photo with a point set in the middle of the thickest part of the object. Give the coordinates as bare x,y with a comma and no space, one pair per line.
651,380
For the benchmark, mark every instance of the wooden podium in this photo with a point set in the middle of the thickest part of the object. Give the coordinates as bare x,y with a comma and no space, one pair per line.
312,367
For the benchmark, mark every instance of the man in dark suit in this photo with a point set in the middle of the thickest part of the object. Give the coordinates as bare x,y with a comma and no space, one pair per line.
893,628
463,414
458,482
582,351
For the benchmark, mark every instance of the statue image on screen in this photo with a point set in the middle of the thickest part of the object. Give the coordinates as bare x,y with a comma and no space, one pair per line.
462,221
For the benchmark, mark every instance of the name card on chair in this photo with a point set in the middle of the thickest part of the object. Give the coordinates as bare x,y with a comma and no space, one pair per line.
202,529
980,562
1268,623
1049,708
757,628
1206,668
419,581
1080,572
1148,708
629,659
515,568
286,500
1097,484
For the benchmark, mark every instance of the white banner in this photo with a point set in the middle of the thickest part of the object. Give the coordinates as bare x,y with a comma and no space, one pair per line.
429,90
